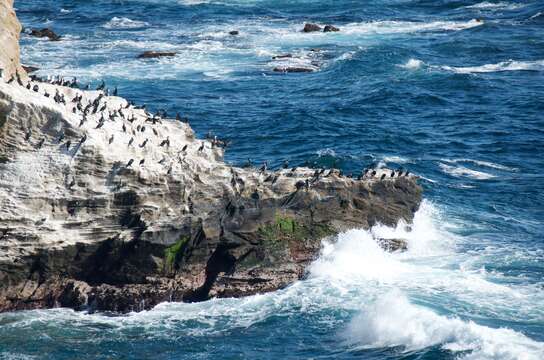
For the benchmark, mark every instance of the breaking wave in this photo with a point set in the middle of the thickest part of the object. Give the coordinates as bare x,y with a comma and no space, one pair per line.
124,23
510,65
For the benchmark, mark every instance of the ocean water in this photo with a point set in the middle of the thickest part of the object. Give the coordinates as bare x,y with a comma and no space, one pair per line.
420,84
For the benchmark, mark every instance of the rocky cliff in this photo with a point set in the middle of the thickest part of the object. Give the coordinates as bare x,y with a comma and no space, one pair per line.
105,207
9,42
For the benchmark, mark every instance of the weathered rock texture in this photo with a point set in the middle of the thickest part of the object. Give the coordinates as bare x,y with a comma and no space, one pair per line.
10,29
80,227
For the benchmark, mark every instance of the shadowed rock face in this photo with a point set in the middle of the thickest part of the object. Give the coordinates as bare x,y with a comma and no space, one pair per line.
81,228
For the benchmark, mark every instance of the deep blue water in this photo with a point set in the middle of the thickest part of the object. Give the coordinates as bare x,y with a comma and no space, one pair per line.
419,84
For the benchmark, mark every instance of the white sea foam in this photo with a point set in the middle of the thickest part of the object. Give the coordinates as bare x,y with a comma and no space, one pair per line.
510,65
397,159
395,27
461,171
65,11
486,5
482,163
124,23
412,64
392,320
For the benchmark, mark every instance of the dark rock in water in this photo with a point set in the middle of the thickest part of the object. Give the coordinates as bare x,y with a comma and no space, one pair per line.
393,244
308,27
330,28
293,69
30,69
155,54
234,32
283,56
46,32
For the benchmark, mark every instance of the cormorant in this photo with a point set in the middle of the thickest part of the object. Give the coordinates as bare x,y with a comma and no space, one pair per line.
201,147
373,173
130,141
178,117
383,177
115,91
111,139
162,160
142,162
286,164
101,86
393,173
143,144
264,167
83,139
165,142
40,143
184,148
155,132
68,143
124,128
129,162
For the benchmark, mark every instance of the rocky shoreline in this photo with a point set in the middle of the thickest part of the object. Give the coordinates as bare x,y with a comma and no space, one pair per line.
106,207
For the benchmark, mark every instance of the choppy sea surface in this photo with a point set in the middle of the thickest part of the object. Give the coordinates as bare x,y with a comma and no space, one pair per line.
451,90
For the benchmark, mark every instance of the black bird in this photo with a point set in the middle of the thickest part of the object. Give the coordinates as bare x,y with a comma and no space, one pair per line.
138,128
87,87
129,162
142,162
162,160
165,142
11,80
178,117
155,132
169,170
264,167
393,173
300,184
46,94
111,139
184,148
72,183
286,164
406,173
143,144
201,147
35,88
83,139
124,128
115,91
28,86
130,141
142,129
101,86
68,143
373,173
61,137
383,177
28,135
19,81
100,124
40,143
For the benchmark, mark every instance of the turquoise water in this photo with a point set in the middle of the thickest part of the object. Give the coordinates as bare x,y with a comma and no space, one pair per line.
418,84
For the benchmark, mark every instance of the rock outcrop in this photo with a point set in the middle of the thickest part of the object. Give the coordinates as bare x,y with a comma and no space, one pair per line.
10,31
104,207
45,32
156,54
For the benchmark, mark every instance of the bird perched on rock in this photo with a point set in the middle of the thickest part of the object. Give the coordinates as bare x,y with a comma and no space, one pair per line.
124,128
129,162
110,140
201,148
130,141
383,177
68,143
114,91
299,184
285,164
40,143
144,143
142,162
165,142
393,173
264,167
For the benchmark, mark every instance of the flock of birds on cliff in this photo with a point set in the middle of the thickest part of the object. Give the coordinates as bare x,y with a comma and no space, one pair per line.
98,107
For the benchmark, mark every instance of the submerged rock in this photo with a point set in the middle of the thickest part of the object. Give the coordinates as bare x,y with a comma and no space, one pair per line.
283,56
393,245
155,54
45,32
330,28
309,27
293,69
